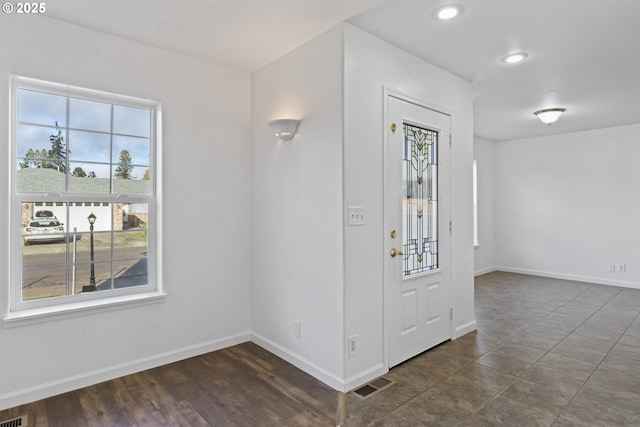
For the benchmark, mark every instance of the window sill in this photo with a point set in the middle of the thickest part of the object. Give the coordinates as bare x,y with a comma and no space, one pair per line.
65,311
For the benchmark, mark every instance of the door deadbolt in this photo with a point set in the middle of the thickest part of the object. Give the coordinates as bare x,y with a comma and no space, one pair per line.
393,234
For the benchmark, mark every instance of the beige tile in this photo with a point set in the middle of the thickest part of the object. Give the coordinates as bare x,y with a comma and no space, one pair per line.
632,340
567,365
553,378
605,331
552,400
365,411
578,340
627,380
503,411
561,322
623,358
625,402
580,353
546,332
446,403
394,419
511,358
579,309
547,352
535,341
505,363
468,347
476,374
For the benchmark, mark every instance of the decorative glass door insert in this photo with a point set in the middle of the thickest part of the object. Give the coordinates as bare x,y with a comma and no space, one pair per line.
419,200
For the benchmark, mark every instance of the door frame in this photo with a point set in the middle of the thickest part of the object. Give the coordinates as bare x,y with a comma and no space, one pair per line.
387,243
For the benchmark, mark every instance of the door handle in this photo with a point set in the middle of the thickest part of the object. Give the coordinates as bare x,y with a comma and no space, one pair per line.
395,252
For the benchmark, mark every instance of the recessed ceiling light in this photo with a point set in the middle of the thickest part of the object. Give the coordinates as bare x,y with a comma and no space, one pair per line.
448,11
514,58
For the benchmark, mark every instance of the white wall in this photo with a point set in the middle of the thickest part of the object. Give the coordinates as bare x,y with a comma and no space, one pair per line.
297,253
485,253
206,172
277,246
370,65
307,265
568,205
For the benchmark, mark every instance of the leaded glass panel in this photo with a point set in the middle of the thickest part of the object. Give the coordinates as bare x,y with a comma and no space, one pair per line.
420,200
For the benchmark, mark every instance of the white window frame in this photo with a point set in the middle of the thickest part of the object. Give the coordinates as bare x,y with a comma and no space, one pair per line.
20,312
475,204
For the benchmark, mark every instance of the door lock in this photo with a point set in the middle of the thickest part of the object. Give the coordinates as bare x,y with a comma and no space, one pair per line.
393,234
395,252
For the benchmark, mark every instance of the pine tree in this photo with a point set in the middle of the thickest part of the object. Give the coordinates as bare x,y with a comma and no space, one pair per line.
124,169
28,160
58,153
79,172
42,156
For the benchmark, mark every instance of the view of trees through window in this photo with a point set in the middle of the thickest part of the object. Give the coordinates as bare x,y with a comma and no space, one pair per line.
83,184
55,158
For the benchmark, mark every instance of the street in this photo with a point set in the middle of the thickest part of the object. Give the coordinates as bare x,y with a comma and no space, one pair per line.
48,273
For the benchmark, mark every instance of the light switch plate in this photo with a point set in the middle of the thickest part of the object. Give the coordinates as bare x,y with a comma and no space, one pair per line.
357,215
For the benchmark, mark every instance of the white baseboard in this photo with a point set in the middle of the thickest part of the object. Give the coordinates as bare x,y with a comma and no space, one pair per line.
364,377
574,277
484,271
53,388
343,385
299,362
465,329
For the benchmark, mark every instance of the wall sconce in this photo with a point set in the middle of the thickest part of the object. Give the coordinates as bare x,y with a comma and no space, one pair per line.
550,115
285,128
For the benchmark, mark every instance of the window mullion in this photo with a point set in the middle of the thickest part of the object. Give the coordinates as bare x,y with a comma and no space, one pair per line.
66,180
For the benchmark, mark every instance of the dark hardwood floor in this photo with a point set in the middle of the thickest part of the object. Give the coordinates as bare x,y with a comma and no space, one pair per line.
242,385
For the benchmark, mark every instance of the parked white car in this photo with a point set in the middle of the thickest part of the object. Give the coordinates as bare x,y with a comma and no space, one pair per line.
43,229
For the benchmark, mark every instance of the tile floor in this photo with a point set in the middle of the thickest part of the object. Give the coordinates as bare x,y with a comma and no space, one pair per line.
547,352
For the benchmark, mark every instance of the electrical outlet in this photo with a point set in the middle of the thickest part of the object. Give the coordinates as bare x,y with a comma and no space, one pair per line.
296,328
353,345
611,268
621,268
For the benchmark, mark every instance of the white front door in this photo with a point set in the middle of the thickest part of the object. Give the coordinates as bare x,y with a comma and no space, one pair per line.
417,213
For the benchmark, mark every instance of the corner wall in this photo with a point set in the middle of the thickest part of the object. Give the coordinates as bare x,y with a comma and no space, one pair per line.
297,253
567,205
370,65
206,151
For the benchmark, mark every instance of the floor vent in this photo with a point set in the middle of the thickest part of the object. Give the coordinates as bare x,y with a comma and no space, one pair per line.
373,387
15,422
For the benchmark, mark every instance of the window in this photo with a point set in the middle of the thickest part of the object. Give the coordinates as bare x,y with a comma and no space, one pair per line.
475,204
421,204
84,197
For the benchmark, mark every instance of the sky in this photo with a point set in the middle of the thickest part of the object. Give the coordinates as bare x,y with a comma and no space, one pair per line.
86,129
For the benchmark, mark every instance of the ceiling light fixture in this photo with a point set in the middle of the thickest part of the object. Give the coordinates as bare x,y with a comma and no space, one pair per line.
449,11
514,58
550,115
